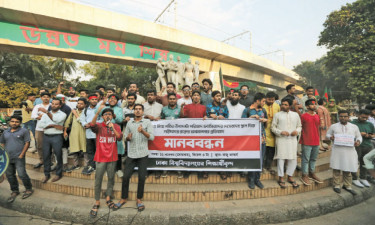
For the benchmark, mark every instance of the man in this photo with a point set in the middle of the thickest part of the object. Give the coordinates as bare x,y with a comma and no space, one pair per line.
100,96
325,123
128,111
39,100
133,88
172,111
39,132
152,108
138,132
343,157
52,122
271,108
333,110
195,87
309,95
256,111
16,141
286,125
228,98
215,110
246,99
371,119
187,97
195,109
206,94
77,136
367,132
27,109
71,99
163,99
296,106
84,93
117,118
310,143
100,88
235,109
85,119
108,134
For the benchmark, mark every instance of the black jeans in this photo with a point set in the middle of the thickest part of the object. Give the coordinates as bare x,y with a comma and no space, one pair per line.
361,151
268,159
54,142
17,165
130,163
91,149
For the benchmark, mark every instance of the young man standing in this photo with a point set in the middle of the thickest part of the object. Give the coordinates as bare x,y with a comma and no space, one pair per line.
133,88
343,157
16,141
309,95
246,99
77,136
138,132
27,109
371,118
85,119
325,123
195,87
235,109
108,134
163,99
286,125
172,111
216,110
296,106
52,122
256,111
206,97
367,132
271,108
310,143
39,132
187,98
194,110
152,108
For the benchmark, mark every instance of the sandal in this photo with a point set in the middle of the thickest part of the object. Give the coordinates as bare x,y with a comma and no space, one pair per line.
293,183
27,194
140,207
110,203
93,212
118,206
12,197
282,184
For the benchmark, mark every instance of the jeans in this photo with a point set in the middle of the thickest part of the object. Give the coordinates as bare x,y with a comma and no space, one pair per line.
255,176
130,163
54,142
19,166
361,151
309,155
90,150
101,168
270,153
30,125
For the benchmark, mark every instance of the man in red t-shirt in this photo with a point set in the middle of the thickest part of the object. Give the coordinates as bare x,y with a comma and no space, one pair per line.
107,135
310,143
194,110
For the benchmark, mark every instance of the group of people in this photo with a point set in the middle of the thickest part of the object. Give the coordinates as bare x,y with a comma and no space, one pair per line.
99,126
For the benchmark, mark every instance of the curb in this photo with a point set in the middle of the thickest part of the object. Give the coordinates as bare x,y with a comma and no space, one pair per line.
277,210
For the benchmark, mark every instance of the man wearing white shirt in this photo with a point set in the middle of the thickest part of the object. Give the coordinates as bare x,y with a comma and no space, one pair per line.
235,109
53,124
187,98
37,115
152,108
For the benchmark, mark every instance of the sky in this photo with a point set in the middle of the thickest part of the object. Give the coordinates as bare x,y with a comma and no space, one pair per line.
278,27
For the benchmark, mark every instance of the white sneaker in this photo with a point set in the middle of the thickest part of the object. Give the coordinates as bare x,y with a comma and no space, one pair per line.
365,182
358,184
119,173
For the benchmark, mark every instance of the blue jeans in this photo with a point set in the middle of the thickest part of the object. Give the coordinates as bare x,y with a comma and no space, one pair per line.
30,125
255,176
309,156
17,165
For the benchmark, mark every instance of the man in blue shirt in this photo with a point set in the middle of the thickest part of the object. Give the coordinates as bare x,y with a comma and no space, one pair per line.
216,110
16,141
171,111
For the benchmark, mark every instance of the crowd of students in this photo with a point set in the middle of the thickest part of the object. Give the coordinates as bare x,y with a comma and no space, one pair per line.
97,126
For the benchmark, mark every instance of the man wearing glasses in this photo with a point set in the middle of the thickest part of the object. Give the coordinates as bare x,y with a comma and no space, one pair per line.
246,99
187,96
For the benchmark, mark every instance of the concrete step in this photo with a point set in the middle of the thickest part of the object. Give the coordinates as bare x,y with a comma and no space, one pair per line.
177,192
321,165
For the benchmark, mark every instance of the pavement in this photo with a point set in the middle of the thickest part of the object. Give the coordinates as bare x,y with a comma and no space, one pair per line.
281,209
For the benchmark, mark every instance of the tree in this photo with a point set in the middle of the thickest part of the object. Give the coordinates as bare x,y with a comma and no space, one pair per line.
11,95
60,66
349,34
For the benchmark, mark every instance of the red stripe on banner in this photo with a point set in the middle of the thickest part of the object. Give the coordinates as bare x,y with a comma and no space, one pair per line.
193,143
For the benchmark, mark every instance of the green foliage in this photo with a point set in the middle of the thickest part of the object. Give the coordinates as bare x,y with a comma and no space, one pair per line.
349,34
12,95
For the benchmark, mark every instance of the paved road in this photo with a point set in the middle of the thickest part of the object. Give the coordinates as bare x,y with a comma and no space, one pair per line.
361,214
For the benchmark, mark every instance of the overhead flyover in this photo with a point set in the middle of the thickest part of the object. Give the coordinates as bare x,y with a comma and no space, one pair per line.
66,29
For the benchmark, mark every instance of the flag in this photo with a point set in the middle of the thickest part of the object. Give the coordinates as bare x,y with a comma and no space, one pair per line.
221,82
330,93
316,93
326,93
237,85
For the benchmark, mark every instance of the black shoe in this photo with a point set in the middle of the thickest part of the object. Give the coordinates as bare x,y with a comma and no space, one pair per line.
38,165
259,184
84,171
251,184
298,168
337,190
351,191
90,170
